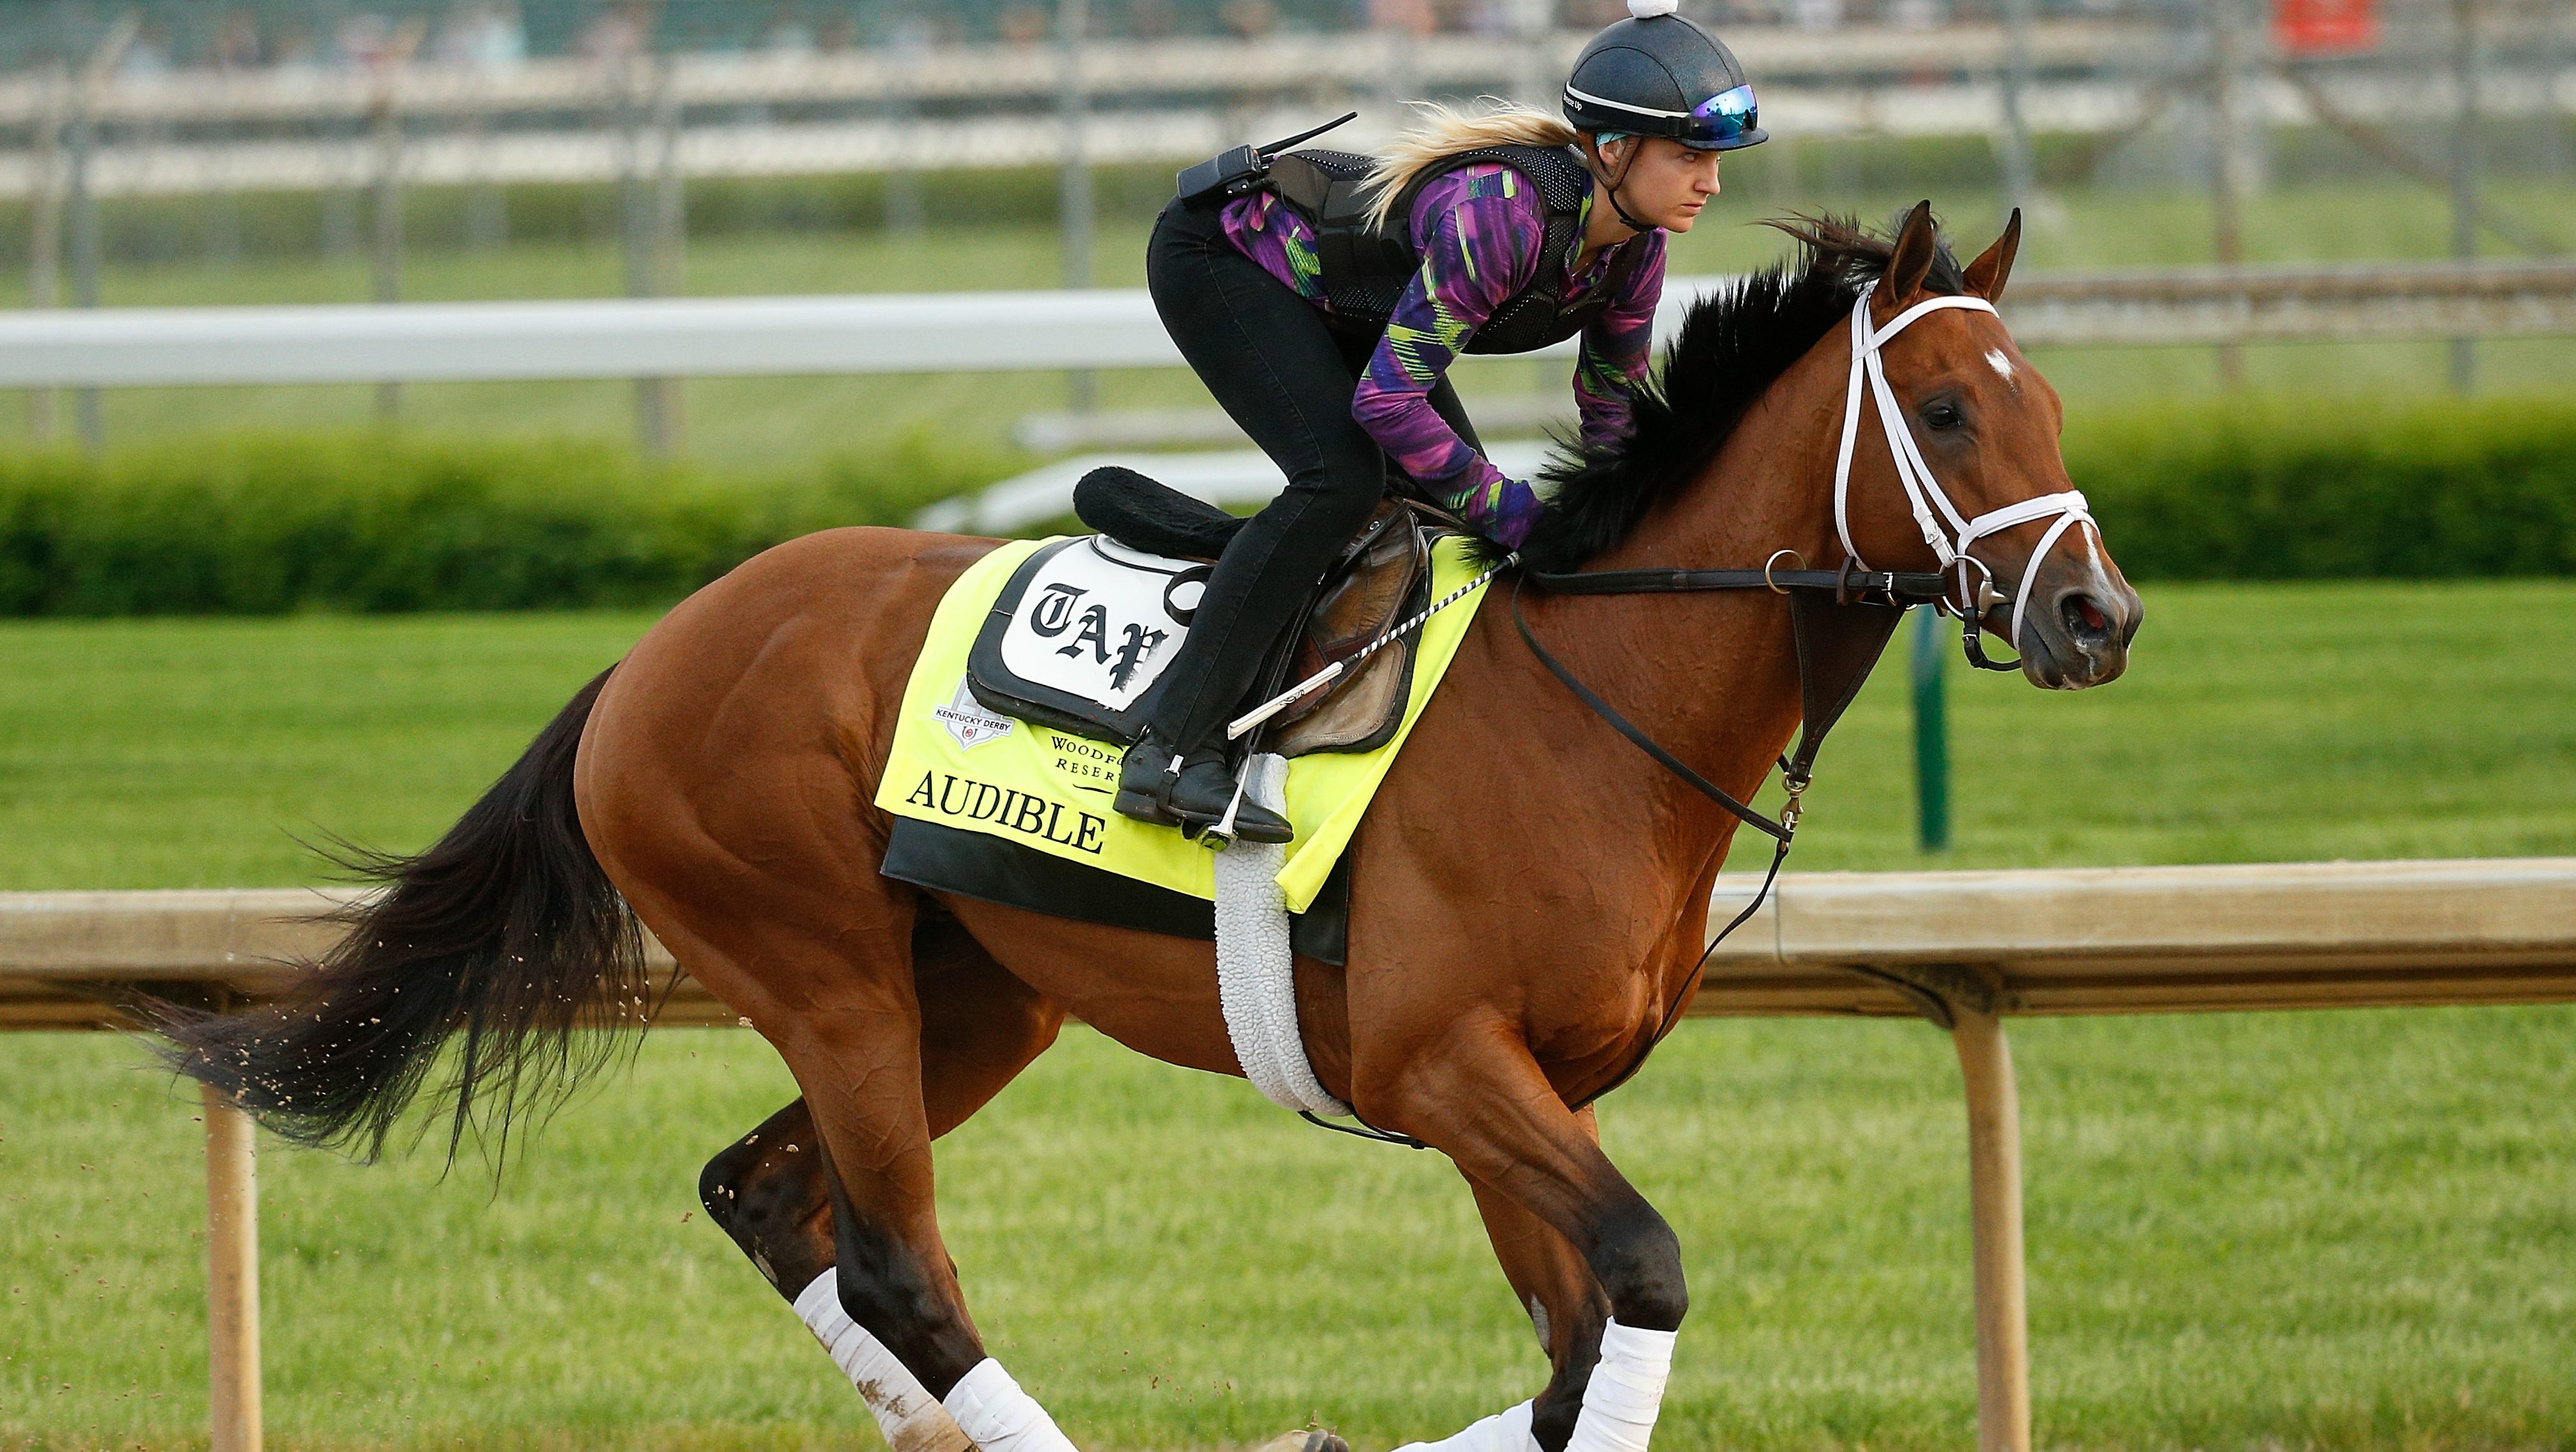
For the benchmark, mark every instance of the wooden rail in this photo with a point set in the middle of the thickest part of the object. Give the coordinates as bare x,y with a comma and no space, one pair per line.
1965,949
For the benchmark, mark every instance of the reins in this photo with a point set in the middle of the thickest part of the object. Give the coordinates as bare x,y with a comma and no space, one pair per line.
1894,590
1891,589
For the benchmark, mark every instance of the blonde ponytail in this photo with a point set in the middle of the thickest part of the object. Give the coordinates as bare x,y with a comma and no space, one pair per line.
1444,131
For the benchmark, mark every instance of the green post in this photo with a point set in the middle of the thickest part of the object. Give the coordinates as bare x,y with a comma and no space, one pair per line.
1931,732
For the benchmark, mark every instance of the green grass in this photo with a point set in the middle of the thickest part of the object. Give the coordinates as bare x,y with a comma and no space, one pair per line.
792,421
192,753
2346,1231
2257,723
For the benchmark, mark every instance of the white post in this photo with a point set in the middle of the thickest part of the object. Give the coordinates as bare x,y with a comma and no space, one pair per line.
386,255
2231,173
2465,69
1994,1196
232,1274
2020,166
652,201
1073,24
386,124
45,229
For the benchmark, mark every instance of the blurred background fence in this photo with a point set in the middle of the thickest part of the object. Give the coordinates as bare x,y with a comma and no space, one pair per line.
300,151
177,129
341,103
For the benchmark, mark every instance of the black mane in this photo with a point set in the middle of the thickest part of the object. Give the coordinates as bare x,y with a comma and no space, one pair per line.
1733,345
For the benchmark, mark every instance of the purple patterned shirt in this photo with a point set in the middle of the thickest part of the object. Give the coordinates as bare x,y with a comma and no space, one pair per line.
1482,228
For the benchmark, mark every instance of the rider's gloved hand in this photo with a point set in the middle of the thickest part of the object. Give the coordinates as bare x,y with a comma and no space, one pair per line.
1500,508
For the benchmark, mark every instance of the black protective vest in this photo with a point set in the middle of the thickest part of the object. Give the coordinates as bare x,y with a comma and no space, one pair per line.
1365,269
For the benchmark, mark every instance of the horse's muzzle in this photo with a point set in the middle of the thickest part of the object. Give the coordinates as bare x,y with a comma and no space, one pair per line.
2081,636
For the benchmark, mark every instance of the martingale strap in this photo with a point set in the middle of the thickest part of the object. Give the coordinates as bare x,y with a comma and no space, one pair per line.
1832,664
1778,831
1826,686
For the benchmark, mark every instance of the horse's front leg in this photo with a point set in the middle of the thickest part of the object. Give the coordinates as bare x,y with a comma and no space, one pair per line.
1610,1281
1566,1306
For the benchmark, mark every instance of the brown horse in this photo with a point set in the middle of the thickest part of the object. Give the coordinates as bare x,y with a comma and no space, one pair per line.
719,782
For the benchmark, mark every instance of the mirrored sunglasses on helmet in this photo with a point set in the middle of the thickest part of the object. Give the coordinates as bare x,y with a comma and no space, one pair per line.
1722,117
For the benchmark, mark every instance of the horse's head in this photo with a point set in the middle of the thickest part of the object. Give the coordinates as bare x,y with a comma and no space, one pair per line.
1976,486
1861,404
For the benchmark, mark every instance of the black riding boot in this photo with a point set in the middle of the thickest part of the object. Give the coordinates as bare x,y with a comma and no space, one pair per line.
1178,773
1158,785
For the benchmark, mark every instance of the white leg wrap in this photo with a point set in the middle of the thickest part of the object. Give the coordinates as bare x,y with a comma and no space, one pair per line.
1000,1417
1501,1432
1626,1390
909,1416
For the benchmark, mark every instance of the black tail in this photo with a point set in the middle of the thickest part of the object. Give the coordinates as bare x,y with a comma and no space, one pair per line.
507,932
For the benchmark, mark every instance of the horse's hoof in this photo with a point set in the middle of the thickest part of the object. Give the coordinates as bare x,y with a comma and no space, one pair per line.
1309,1439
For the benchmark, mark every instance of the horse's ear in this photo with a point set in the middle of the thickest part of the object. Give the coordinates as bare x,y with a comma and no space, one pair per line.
1912,260
1986,276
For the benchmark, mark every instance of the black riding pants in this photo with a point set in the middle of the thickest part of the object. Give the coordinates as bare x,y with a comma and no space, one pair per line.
1287,379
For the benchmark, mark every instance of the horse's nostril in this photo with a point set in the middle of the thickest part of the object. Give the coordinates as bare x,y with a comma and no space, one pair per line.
2085,620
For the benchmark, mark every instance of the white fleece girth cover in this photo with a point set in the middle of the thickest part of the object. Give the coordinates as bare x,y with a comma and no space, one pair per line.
1255,977
909,1416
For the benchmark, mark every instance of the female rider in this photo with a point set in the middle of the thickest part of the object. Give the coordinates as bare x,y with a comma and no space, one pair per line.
1509,230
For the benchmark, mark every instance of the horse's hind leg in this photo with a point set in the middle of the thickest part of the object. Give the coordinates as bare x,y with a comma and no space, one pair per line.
773,1191
723,783
979,1027
766,1190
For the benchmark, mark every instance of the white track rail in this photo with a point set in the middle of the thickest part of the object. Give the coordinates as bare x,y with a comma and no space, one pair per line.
1117,328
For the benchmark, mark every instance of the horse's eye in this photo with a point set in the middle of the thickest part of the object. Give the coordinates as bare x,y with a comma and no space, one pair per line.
1943,416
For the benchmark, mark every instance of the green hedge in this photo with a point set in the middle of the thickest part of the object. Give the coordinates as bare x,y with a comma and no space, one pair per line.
369,522
384,523
2337,488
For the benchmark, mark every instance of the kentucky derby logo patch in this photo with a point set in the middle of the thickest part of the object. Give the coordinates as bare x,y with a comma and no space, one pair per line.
969,721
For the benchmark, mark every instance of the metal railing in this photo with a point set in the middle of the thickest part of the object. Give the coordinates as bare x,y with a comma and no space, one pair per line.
893,108
1007,74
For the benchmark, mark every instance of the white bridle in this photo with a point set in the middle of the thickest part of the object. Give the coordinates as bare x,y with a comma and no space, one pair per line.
1950,533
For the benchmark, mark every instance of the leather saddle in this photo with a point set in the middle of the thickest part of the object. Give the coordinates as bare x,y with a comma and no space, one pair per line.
1382,577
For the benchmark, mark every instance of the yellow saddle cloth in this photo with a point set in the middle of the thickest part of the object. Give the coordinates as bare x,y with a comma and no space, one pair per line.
959,765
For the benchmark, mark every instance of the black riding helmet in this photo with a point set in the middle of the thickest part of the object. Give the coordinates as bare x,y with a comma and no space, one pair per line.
1660,74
